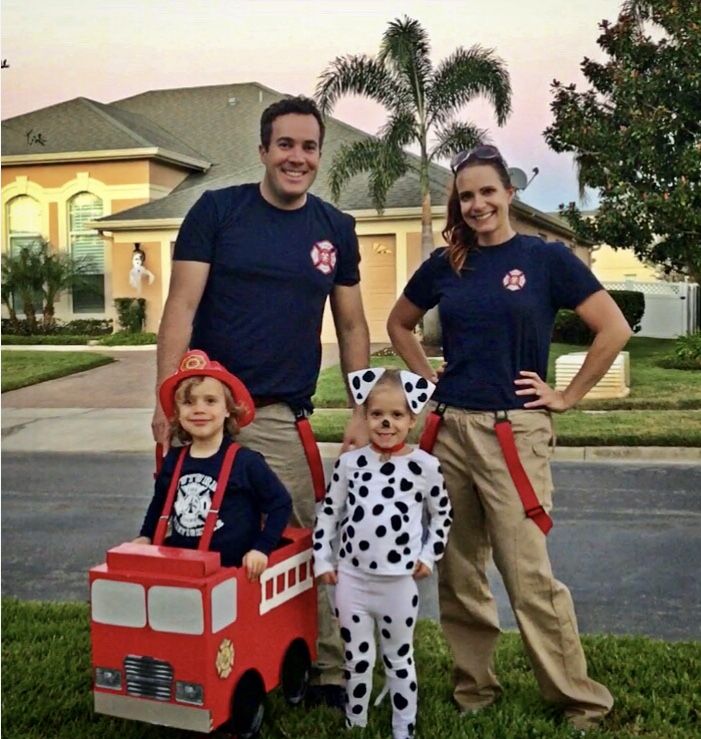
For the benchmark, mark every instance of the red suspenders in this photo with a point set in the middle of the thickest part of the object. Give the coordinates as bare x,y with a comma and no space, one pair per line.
505,435
311,452
213,514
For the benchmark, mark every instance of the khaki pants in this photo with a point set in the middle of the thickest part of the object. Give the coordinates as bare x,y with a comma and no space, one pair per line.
489,520
273,433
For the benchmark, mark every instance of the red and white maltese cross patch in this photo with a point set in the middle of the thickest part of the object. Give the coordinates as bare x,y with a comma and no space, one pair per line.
514,279
323,256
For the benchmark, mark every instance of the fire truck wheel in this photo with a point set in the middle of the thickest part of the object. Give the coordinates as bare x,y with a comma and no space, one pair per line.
296,668
247,707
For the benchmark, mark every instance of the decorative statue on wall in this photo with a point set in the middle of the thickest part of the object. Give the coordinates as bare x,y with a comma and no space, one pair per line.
138,271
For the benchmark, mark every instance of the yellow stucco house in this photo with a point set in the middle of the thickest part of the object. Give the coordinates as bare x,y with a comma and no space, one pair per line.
105,179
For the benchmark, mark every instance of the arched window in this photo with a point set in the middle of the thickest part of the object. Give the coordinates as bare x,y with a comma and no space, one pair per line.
89,297
23,223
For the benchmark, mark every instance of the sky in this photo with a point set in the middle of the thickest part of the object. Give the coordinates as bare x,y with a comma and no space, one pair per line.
110,49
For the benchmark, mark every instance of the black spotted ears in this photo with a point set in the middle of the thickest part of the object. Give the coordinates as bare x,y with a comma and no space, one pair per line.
363,381
417,389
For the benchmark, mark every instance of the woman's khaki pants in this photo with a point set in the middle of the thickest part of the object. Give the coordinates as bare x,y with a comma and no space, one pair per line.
489,520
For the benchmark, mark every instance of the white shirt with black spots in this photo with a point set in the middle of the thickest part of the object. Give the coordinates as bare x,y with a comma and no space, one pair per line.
375,509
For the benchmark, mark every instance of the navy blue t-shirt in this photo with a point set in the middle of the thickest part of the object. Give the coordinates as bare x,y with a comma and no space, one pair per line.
253,490
271,272
497,316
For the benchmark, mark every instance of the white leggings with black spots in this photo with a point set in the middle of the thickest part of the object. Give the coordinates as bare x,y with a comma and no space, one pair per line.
391,602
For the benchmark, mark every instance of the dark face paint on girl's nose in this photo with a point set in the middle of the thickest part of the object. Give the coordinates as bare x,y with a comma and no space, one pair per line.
385,424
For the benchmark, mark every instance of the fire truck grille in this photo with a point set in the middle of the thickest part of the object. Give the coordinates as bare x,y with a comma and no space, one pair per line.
148,677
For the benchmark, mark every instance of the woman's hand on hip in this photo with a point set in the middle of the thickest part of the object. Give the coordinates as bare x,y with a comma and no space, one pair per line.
543,395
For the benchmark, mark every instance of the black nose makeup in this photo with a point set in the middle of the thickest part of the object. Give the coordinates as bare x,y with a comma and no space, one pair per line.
385,424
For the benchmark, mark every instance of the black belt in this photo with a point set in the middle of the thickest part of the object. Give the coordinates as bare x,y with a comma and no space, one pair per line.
260,401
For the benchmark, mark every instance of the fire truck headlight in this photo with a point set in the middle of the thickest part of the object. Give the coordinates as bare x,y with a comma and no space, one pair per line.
189,693
107,678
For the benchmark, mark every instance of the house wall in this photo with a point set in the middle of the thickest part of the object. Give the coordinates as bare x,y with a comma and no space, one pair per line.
620,265
119,185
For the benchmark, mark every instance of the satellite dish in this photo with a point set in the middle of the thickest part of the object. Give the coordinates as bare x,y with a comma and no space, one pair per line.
518,178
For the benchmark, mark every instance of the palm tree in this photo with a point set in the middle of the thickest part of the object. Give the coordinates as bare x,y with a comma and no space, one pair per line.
422,102
22,282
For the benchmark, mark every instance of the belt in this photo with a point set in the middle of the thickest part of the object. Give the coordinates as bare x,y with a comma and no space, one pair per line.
505,435
260,401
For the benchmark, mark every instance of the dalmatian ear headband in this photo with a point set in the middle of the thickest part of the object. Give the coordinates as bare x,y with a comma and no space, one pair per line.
417,389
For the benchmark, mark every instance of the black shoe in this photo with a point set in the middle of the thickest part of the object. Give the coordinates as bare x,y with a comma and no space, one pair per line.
333,696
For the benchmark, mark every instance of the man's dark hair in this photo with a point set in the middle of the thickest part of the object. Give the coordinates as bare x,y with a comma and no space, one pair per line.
300,105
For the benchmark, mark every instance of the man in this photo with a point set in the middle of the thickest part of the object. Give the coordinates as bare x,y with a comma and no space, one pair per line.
252,268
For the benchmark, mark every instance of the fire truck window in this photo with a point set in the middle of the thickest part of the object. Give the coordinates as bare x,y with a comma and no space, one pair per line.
302,571
268,589
118,603
176,610
292,576
223,604
281,583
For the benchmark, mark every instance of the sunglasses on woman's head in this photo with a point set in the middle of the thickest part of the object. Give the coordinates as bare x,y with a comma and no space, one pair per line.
484,151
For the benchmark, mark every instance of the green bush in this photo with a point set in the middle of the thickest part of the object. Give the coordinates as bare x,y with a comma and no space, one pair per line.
131,314
129,338
632,305
686,354
688,347
35,339
77,327
570,329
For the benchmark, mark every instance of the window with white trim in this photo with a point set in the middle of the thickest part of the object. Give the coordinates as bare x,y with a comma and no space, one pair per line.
23,223
89,296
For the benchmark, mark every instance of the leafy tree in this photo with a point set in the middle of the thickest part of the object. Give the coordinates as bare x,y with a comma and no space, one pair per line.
36,276
22,283
636,134
422,102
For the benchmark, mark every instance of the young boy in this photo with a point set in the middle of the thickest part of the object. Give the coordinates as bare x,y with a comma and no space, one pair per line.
207,405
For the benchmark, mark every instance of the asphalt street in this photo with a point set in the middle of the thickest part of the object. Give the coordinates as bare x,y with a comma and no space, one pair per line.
627,537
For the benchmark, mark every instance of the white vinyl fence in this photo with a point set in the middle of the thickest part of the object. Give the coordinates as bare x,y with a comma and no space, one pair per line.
671,308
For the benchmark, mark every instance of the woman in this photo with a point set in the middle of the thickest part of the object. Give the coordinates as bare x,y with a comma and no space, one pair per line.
497,293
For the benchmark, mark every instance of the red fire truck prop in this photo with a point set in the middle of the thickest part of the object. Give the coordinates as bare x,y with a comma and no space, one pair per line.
178,640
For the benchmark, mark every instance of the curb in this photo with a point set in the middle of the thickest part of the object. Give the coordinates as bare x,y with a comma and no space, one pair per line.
76,348
667,454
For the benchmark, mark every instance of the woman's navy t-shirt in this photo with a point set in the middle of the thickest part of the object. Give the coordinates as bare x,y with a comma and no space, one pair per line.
497,316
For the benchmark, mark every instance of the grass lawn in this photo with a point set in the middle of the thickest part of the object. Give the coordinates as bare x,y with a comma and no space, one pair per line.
652,387
47,688
575,428
638,420
22,368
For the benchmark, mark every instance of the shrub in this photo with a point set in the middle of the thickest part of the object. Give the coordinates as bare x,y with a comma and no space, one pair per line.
77,327
129,338
131,314
37,339
570,329
686,354
632,305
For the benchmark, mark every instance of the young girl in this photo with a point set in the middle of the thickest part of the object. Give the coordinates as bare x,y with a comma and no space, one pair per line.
375,502
207,405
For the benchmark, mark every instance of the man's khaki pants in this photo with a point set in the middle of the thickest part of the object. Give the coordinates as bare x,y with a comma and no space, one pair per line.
273,433
489,519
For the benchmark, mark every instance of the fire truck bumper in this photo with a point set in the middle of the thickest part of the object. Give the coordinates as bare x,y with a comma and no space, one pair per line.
154,712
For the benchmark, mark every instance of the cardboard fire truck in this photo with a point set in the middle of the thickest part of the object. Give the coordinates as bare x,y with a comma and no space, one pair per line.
178,640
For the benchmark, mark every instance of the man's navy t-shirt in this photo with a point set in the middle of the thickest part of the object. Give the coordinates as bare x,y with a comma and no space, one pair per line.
271,271
497,316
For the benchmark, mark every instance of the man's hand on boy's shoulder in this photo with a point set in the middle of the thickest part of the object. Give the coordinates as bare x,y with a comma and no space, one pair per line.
255,563
356,434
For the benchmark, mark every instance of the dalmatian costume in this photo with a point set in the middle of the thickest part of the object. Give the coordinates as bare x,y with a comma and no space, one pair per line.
373,513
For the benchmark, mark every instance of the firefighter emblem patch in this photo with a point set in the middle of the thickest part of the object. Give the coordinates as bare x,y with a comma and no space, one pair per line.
225,658
323,256
514,280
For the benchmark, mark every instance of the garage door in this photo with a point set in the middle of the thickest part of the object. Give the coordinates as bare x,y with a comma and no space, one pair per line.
378,284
